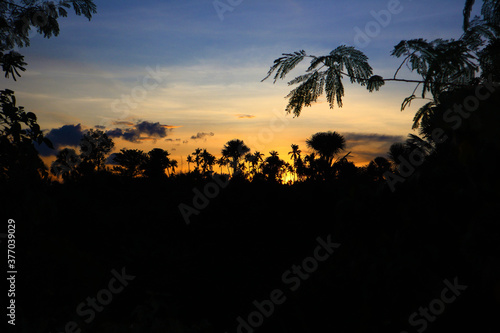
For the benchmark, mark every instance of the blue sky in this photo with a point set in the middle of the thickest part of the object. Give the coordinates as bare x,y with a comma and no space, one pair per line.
208,70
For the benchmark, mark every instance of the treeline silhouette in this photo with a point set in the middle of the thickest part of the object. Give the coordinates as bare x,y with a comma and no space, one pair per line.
325,162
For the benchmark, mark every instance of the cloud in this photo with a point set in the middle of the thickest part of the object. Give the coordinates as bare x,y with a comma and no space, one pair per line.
123,122
367,146
244,116
141,131
67,135
356,139
111,159
201,135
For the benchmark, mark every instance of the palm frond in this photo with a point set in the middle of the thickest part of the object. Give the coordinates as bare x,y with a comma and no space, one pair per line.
423,111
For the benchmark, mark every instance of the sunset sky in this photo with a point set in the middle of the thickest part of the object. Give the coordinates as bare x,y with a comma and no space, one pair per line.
181,74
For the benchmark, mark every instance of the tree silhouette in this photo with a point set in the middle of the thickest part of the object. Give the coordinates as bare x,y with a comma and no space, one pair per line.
19,131
131,162
235,150
207,162
296,158
189,160
197,158
443,65
378,167
397,150
222,161
19,17
66,164
171,167
258,158
94,148
156,163
274,167
327,145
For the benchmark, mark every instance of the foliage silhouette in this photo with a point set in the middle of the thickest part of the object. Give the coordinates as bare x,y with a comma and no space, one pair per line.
443,65
235,150
156,163
19,131
66,165
17,18
131,162
94,148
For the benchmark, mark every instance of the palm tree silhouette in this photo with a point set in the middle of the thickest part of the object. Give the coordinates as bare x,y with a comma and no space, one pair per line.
207,161
378,167
171,167
397,149
222,161
258,158
189,160
295,157
274,167
327,145
197,158
235,150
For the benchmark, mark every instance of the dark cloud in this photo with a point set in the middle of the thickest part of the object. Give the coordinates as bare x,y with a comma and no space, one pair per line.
100,127
67,135
245,116
201,135
140,131
368,146
356,139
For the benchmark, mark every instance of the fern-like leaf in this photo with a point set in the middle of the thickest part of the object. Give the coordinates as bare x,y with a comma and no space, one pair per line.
285,64
306,93
374,83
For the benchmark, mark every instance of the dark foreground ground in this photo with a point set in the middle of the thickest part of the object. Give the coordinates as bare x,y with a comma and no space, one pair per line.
116,255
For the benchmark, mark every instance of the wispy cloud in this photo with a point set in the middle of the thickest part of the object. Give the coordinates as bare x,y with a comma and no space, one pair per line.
201,135
356,139
367,146
244,116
